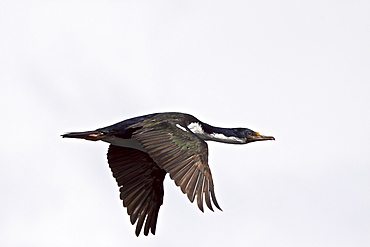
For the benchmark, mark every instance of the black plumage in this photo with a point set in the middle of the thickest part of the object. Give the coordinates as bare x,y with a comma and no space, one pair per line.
144,149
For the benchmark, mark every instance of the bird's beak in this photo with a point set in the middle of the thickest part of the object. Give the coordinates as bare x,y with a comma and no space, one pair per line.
259,137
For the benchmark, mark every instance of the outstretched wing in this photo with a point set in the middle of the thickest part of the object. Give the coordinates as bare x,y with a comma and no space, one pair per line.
183,155
141,185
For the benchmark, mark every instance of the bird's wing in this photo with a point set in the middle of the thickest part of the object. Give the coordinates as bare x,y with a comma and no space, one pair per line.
141,185
183,155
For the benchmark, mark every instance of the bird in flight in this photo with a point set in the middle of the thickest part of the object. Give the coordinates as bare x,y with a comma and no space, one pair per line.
144,149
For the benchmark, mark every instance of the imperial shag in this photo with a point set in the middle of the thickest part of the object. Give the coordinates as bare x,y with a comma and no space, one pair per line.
144,149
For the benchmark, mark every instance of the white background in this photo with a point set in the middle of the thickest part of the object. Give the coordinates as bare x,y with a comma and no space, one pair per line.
297,70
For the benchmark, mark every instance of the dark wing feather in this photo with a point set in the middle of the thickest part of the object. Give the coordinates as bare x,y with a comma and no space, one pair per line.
141,185
183,155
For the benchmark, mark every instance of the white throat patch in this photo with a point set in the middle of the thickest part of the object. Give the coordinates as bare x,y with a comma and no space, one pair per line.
197,129
227,139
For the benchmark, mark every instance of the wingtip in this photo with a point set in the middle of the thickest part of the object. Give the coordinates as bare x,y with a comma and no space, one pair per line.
211,208
217,206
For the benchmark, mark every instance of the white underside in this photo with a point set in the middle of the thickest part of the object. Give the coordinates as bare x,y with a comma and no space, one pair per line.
127,143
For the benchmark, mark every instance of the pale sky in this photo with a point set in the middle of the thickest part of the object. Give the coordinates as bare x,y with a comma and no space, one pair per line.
297,70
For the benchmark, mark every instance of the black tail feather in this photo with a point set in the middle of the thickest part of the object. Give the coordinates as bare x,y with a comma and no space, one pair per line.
87,135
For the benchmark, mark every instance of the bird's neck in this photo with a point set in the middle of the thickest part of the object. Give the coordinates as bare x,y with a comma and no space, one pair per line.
211,133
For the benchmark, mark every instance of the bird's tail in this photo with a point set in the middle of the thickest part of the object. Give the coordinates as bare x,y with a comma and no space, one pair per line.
87,135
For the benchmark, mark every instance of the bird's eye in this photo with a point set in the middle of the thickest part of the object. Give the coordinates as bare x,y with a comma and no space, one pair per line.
249,133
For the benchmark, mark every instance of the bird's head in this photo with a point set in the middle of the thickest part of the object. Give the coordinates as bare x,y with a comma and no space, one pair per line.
251,136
